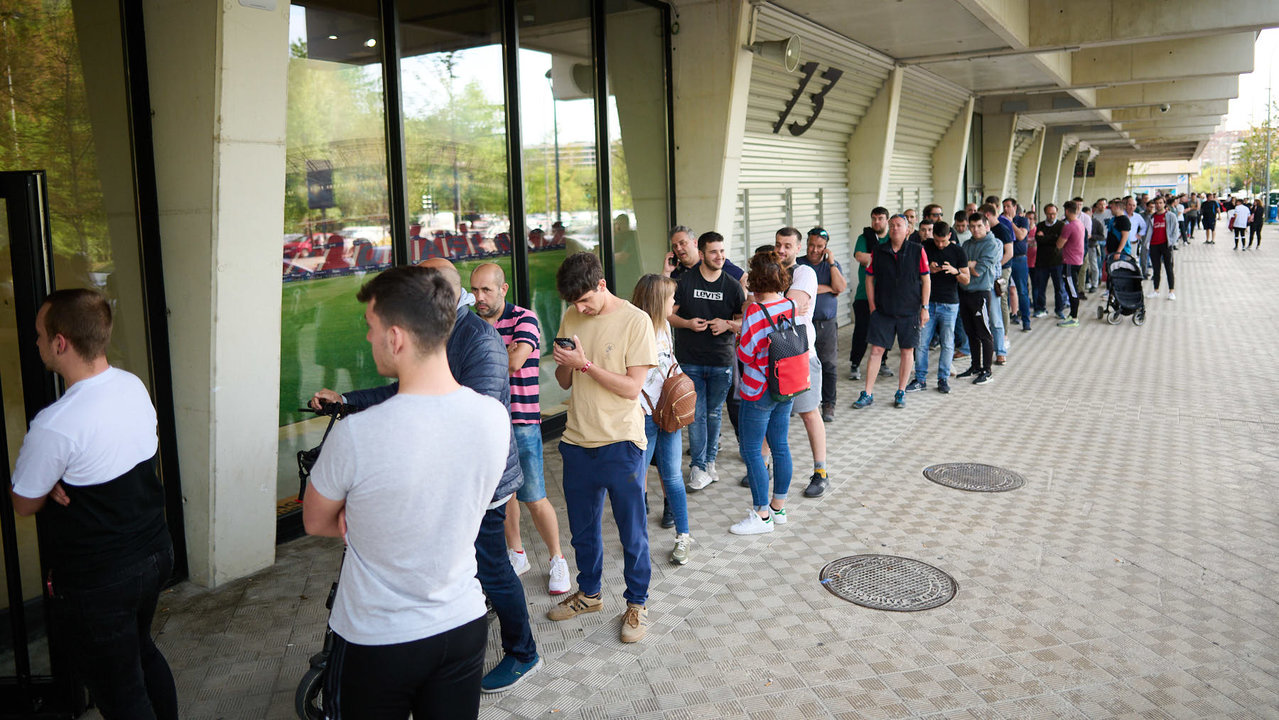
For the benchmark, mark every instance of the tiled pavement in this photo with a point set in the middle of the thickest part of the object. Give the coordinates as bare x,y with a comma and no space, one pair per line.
1135,574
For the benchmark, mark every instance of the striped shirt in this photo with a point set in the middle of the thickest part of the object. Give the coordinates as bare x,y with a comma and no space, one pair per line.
752,345
520,325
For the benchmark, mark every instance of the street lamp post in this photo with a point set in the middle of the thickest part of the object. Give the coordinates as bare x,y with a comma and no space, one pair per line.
555,131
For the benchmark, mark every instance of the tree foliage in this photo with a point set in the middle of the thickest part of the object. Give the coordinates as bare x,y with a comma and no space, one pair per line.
1254,155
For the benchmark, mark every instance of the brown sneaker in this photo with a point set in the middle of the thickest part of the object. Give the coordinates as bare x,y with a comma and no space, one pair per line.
574,605
1001,359
634,623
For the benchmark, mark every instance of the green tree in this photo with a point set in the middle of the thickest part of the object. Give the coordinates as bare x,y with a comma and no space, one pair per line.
1255,156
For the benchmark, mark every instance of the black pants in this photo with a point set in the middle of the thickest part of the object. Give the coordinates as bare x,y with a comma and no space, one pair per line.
981,343
827,348
1240,236
861,325
1071,276
107,626
436,677
1162,255
1254,231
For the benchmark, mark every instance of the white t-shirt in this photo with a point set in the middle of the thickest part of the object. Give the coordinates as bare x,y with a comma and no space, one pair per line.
99,430
1239,217
657,374
417,473
804,278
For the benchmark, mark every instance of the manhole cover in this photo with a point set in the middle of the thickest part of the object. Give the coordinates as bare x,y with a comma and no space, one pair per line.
888,582
974,477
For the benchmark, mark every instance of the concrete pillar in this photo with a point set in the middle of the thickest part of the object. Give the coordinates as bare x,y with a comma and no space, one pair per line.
219,98
948,160
1110,178
1082,183
1065,176
998,134
1050,166
1028,170
870,149
712,74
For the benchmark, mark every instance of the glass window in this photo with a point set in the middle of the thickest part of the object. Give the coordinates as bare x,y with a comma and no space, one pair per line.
454,102
639,197
561,190
336,222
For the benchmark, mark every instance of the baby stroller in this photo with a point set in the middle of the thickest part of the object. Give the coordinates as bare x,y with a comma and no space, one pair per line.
1123,291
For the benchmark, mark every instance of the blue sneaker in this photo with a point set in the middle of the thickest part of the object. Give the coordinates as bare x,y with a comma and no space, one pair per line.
899,399
508,673
864,400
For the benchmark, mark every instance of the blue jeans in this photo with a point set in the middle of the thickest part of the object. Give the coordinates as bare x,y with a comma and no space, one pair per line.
1021,278
528,440
759,419
1042,276
941,320
712,384
589,473
667,446
961,338
503,587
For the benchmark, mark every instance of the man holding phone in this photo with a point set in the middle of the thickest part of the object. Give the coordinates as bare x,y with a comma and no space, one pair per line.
605,349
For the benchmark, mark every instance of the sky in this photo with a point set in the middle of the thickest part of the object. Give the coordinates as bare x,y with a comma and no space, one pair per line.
1250,107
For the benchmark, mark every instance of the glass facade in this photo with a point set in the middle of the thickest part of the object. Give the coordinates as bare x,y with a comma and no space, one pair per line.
474,189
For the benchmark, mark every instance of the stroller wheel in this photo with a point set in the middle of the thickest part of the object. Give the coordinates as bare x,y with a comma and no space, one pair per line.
308,700
1139,317
1114,317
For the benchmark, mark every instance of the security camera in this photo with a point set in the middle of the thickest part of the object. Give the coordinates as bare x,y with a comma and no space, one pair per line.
1164,107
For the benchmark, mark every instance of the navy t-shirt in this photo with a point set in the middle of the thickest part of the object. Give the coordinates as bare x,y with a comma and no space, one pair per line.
1118,226
827,303
1005,236
1020,247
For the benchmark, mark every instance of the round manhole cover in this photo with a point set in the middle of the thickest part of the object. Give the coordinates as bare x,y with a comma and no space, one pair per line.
974,477
888,582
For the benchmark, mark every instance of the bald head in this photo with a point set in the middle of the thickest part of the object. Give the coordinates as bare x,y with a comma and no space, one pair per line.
488,284
448,271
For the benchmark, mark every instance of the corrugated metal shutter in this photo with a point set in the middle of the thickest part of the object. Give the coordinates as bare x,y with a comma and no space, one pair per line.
803,180
929,105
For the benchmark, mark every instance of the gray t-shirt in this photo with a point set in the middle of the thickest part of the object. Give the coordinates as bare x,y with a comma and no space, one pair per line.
417,473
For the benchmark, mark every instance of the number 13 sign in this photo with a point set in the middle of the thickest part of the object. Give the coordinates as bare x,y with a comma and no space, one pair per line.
831,76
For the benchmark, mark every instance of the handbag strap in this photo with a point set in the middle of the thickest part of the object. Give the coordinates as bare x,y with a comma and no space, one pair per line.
769,318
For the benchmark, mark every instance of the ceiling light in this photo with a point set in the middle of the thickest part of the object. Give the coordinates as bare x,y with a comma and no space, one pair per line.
333,37
371,42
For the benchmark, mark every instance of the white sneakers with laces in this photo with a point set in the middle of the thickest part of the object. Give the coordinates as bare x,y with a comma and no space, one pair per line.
519,561
699,478
1172,295
559,582
753,524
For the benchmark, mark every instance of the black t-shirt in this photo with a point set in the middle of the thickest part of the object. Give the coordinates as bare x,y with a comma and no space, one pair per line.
1118,226
697,298
945,287
1210,209
1047,254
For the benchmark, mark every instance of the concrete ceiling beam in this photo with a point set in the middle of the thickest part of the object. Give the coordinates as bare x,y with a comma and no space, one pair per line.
1164,60
1170,91
1088,23
1185,109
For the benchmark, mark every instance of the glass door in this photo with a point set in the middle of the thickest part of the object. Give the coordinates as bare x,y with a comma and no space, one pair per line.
33,680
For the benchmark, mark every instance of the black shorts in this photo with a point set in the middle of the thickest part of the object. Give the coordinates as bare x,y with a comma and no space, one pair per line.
1209,223
884,328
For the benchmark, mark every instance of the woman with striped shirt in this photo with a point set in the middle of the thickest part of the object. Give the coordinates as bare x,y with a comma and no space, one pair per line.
761,416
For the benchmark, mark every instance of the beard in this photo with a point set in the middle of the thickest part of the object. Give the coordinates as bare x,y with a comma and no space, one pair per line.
491,312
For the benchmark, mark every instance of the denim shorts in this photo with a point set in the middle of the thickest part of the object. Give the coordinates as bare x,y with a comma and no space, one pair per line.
528,440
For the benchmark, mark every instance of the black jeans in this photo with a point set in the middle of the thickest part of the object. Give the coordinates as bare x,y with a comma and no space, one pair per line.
436,677
107,627
1162,255
503,587
981,343
827,347
1254,231
861,325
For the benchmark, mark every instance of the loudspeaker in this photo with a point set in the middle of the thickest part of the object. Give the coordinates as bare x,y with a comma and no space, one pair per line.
783,52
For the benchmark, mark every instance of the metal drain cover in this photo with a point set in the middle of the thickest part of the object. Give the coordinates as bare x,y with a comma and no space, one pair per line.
888,582
974,477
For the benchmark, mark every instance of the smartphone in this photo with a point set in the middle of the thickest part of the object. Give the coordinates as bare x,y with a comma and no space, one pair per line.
566,343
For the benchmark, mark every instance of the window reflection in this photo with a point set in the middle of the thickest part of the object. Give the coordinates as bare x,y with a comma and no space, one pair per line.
561,189
336,222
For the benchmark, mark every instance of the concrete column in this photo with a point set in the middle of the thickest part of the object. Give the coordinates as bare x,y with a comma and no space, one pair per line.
1065,176
1028,170
1110,178
998,134
1050,166
870,149
1082,183
219,98
948,160
712,73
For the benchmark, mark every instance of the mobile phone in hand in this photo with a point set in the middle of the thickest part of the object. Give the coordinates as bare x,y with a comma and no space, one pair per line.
566,343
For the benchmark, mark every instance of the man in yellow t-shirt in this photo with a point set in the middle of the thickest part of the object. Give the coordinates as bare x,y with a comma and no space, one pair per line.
604,350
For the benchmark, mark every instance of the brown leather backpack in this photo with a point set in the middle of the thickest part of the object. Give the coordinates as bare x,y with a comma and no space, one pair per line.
677,403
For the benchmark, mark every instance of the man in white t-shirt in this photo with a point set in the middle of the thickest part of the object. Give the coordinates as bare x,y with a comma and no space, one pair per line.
406,483
803,291
107,546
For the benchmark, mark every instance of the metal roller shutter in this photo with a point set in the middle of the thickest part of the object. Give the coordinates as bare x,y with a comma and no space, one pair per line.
802,180
929,105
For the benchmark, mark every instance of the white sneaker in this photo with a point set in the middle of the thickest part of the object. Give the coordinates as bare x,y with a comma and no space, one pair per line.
519,561
1172,295
699,478
1152,294
779,516
753,524
712,471
558,584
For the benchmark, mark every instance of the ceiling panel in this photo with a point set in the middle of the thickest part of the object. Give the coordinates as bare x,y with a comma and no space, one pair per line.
902,29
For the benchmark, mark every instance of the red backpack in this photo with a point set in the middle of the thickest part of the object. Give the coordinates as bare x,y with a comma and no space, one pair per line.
787,370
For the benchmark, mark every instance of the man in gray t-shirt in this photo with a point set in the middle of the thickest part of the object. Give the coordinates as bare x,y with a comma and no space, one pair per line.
406,484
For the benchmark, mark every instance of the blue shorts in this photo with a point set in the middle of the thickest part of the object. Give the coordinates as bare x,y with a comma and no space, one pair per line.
528,440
